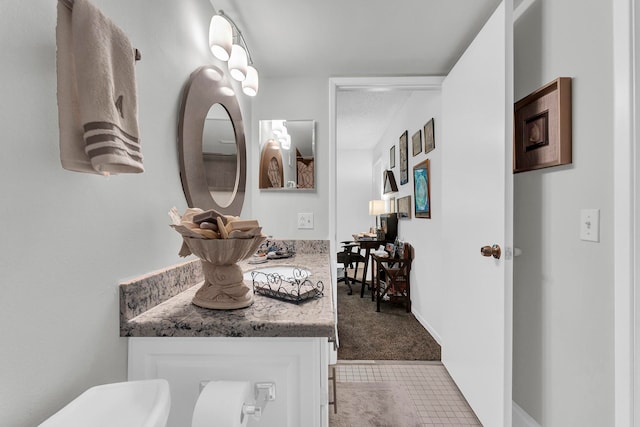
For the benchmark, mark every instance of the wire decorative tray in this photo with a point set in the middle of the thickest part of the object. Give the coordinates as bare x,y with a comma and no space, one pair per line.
295,288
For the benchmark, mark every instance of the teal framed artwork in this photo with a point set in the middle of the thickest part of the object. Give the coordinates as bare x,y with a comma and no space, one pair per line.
422,190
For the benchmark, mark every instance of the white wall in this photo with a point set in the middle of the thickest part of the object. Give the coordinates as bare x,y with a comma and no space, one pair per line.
277,211
68,239
423,234
563,287
354,178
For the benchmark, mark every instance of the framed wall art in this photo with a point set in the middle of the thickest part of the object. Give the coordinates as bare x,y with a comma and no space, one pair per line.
429,136
392,204
389,182
392,157
542,127
404,207
422,190
404,158
416,143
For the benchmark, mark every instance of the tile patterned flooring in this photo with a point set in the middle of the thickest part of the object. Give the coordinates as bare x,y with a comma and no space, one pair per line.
436,397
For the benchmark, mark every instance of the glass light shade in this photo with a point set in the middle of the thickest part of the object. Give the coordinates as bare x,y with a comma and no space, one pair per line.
277,127
285,141
220,37
250,83
238,63
376,207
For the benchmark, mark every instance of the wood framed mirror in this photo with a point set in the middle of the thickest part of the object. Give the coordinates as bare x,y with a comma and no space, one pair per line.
211,143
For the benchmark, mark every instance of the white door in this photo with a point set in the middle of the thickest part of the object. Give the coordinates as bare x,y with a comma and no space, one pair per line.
477,201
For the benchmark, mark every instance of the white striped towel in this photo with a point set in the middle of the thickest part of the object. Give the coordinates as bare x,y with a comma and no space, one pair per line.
97,102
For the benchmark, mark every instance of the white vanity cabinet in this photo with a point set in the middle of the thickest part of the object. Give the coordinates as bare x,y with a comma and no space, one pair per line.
269,341
298,367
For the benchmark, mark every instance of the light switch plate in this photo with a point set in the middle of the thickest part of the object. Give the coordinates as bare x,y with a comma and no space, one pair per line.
590,225
305,220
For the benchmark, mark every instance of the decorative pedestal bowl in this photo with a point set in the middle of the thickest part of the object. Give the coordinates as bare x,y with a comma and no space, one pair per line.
223,287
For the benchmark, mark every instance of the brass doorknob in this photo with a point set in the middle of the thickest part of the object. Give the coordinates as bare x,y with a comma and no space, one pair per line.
493,251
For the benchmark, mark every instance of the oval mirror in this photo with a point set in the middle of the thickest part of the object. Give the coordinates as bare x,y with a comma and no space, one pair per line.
220,155
211,143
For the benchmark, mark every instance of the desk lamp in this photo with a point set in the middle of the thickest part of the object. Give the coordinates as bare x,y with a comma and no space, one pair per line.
376,207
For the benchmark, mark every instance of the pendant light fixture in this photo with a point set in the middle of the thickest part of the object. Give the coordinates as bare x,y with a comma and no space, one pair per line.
250,83
228,44
238,63
220,37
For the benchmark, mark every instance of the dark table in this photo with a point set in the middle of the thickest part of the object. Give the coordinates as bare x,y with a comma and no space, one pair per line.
367,245
402,270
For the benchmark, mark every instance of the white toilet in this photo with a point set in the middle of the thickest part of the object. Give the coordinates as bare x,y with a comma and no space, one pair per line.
127,404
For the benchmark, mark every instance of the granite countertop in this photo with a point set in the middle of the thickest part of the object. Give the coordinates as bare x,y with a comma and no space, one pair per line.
159,304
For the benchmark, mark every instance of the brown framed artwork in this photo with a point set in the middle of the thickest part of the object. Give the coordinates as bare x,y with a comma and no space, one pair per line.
392,157
404,158
429,136
389,182
404,207
392,204
422,190
542,127
416,143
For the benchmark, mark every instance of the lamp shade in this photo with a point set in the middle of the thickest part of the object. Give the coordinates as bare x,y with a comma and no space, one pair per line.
376,207
250,83
238,63
220,37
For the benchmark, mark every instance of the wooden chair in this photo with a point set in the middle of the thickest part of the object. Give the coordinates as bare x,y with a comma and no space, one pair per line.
349,257
396,272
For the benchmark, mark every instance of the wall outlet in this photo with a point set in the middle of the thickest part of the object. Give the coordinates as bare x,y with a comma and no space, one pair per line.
305,220
590,225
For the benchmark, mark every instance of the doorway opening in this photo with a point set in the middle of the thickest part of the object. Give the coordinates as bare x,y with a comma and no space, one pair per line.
364,112
382,347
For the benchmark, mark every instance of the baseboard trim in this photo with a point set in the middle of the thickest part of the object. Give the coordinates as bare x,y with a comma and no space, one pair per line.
428,327
521,418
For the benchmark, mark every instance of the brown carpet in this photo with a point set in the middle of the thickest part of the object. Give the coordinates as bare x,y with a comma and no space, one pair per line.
373,404
392,334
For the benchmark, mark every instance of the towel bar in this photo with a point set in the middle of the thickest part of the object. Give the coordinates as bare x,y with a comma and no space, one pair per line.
69,4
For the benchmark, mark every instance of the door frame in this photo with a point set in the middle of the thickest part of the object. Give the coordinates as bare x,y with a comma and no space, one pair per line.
626,55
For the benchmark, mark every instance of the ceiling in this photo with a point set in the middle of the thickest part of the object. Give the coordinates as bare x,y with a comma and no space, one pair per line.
358,38
363,116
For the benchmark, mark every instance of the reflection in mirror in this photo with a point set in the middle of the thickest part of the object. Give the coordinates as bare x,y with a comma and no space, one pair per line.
220,155
287,154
